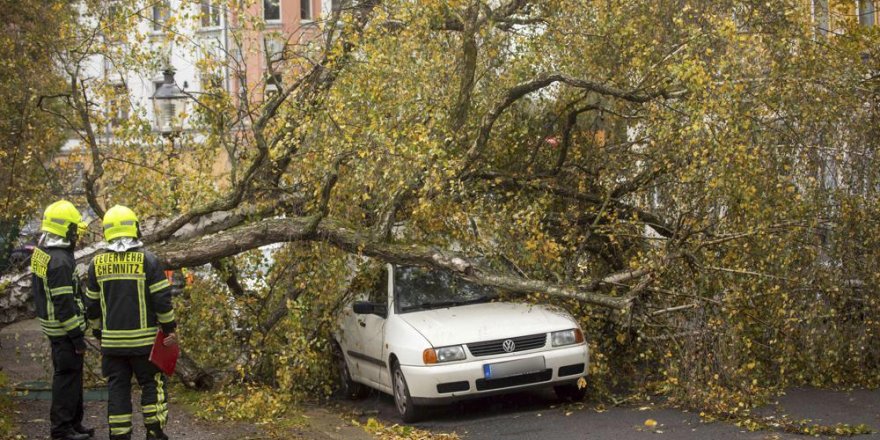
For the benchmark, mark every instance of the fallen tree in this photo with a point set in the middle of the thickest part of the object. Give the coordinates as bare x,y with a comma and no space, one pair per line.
696,173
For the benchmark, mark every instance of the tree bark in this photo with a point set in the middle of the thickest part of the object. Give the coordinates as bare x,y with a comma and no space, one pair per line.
236,240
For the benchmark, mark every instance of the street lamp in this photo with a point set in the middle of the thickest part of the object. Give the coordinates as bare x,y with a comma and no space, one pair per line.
169,105
169,109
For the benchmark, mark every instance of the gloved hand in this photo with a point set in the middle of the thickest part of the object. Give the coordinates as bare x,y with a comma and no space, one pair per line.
79,345
170,340
96,332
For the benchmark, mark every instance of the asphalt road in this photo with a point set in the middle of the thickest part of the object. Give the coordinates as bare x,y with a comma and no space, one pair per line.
531,415
538,415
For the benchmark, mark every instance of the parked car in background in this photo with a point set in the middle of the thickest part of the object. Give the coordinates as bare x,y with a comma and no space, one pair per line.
20,257
429,338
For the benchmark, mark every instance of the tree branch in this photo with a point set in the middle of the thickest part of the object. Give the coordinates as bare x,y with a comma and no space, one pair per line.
233,241
81,107
229,273
515,93
467,67
626,211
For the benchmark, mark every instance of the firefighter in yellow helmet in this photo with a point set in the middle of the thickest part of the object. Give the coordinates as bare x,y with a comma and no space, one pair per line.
60,311
130,299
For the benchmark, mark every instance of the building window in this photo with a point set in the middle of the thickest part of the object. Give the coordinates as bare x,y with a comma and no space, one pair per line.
160,15
274,51
210,15
866,13
272,10
305,9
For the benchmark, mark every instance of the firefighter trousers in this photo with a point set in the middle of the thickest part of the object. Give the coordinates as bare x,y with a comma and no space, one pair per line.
66,411
154,404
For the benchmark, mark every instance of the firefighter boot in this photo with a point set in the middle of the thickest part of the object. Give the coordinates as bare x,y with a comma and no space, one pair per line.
80,429
156,433
72,435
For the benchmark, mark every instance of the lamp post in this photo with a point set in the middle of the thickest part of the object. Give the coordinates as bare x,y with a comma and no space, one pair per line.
169,110
169,106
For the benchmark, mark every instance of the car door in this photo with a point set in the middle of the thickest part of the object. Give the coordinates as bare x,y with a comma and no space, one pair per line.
372,332
349,336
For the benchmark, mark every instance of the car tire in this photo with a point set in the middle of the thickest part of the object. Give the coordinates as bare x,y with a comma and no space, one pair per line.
408,411
570,392
347,387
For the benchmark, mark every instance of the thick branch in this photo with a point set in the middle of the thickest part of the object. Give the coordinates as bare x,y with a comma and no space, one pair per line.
205,249
467,68
228,202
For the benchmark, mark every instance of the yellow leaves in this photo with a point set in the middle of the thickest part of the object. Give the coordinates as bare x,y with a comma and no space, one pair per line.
650,423
251,403
398,432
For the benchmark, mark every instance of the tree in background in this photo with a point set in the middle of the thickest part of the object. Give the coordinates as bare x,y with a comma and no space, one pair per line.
29,138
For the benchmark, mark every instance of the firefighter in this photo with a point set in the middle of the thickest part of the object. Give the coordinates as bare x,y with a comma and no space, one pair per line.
60,311
130,299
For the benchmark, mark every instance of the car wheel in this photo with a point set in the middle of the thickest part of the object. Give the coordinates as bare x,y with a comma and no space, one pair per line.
348,388
402,400
570,392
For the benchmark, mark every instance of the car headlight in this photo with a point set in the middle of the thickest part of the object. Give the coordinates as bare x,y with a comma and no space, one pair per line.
566,337
443,354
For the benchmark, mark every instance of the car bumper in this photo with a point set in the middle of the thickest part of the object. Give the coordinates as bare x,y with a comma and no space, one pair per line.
438,384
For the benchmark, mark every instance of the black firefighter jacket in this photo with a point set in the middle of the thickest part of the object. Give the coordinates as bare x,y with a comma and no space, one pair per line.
129,299
57,297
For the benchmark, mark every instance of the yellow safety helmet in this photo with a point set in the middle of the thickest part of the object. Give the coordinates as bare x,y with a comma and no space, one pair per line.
59,216
120,221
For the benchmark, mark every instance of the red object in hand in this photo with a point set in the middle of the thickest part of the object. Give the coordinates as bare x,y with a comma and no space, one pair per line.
164,357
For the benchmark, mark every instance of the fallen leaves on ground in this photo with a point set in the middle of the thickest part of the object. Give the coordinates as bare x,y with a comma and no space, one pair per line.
399,432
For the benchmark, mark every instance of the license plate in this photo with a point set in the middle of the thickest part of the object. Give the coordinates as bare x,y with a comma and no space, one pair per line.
513,368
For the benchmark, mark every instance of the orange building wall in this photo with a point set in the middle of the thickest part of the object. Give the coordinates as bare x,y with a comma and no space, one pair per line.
291,29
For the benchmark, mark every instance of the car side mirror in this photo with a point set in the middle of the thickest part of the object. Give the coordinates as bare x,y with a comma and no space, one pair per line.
370,308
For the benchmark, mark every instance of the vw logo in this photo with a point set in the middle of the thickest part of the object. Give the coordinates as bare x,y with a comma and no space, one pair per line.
508,346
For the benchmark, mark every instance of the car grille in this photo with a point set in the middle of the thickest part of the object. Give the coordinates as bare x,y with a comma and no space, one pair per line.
522,343
512,381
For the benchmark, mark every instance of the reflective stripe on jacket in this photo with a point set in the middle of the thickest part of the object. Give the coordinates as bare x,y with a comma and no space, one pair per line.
57,299
131,298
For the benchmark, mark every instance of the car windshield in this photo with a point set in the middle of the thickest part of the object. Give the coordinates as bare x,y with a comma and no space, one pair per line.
420,289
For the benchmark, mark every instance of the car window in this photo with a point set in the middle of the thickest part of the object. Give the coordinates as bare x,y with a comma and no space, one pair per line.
422,289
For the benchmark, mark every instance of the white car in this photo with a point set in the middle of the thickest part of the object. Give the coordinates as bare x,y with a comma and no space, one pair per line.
428,338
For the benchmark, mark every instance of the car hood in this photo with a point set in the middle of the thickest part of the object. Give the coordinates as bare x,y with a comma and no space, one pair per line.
486,322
